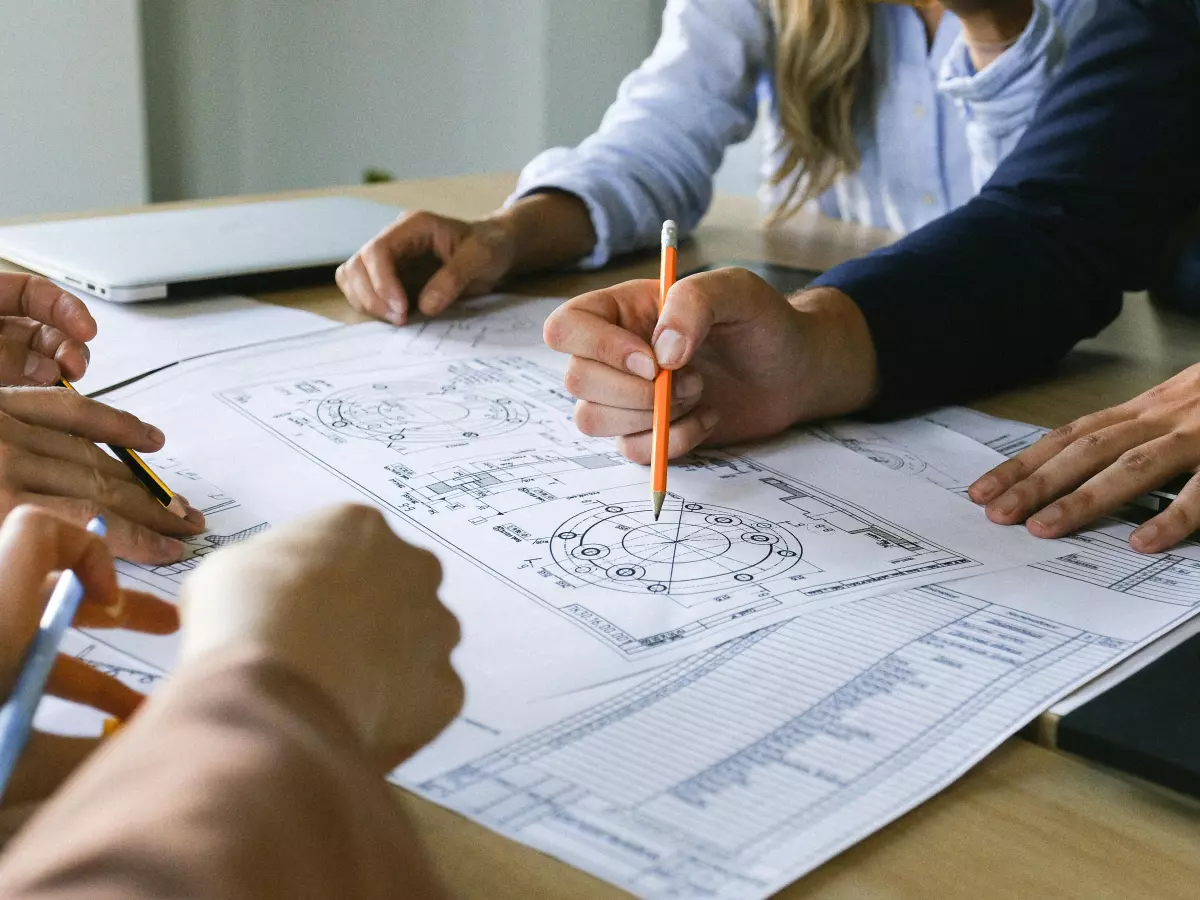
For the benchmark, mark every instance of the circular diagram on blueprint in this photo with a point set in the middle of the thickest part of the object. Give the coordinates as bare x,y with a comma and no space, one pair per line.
416,412
692,548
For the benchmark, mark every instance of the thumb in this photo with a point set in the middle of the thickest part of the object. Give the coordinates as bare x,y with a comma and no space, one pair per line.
695,304
468,262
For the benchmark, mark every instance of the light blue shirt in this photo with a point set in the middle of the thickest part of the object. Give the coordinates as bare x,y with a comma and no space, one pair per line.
938,131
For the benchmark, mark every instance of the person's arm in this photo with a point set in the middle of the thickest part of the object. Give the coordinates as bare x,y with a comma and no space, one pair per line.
999,68
258,770
659,145
241,780
1002,288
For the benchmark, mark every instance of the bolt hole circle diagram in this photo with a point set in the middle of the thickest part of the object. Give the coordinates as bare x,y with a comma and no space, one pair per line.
400,413
692,548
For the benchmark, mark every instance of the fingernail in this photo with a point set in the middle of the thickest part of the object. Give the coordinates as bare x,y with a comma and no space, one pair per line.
669,347
193,515
432,303
689,384
709,419
1006,505
87,354
154,436
397,312
117,610
640,365
1145,535
40,369
1048,517
985,487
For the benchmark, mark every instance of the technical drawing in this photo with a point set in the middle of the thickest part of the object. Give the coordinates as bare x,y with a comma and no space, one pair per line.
420,413
693,547
499,484
1107,561
482,454
198,547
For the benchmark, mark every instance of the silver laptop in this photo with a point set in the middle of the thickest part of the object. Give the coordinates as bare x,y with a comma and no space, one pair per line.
161,253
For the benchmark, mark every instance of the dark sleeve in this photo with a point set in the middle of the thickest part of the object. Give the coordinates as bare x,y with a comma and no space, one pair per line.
1081,210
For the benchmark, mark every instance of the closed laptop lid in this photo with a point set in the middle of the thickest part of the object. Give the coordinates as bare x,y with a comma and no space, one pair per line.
173,246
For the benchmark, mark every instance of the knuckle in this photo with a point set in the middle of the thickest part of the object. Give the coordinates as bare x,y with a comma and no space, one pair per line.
554,330
1063,435
1093,440
636,451
588,418
575,378
1137,461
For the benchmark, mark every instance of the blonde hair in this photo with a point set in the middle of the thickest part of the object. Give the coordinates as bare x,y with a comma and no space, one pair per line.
821,72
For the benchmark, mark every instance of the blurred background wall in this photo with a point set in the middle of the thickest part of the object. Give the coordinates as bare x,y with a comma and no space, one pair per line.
116,102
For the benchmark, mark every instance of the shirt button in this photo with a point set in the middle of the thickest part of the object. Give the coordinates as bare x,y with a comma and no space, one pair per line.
919,110
928,199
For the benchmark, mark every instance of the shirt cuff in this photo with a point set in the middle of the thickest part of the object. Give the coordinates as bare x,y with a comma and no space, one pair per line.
547,174
1039,48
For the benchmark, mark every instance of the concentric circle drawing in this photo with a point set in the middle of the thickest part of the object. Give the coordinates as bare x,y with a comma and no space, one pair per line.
399,413
692,548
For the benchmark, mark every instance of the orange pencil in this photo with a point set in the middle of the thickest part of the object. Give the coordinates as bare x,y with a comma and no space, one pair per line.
662,381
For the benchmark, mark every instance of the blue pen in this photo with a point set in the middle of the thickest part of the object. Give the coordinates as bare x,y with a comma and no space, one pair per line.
16,716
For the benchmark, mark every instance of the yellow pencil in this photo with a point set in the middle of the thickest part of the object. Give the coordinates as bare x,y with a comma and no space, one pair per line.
136,465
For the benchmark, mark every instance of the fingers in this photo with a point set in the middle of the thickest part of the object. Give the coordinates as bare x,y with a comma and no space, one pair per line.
611,326
1029,460
1173,524
1068,468
596,420
468,263
687,434
31,297
35,354
355,283
380,267
126,539
1136,471
586,379
134,611
34,543
74,680
68,412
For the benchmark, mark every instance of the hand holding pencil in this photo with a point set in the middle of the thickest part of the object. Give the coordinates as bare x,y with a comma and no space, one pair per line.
34,544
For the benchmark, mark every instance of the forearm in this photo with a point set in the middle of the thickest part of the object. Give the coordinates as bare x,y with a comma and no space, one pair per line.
1002,288
238,780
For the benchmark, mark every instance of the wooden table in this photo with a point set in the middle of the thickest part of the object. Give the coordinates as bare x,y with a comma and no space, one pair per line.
1026,823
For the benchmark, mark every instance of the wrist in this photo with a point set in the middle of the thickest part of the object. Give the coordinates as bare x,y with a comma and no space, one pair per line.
841,366
545,229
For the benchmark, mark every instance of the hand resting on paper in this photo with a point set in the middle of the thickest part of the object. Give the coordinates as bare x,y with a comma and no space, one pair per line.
749,362
427,262
1095,464
33,545
48,435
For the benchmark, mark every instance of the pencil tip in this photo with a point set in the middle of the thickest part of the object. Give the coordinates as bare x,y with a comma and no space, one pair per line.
658,497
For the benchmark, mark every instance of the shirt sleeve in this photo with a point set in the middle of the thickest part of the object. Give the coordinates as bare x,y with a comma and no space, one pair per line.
239,780
1002,288
659,145
998,103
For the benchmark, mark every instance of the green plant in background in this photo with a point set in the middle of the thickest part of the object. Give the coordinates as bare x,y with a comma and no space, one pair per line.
377,176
